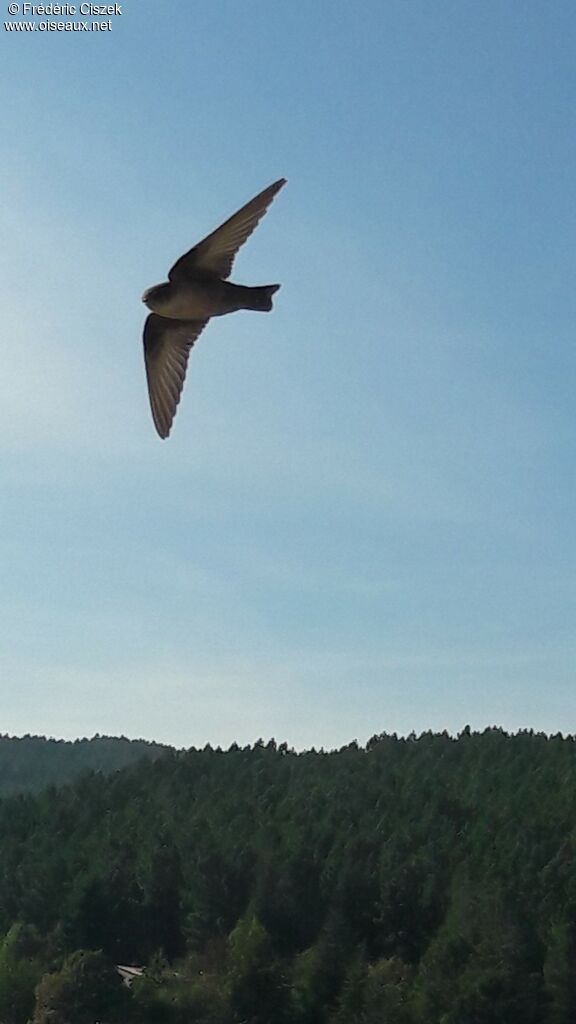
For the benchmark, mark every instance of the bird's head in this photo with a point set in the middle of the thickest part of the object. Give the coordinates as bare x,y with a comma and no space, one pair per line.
155,296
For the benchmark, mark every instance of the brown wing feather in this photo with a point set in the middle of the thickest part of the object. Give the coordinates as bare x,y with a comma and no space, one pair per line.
167,345
215,254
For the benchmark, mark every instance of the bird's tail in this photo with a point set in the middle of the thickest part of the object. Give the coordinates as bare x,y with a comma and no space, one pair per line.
261,298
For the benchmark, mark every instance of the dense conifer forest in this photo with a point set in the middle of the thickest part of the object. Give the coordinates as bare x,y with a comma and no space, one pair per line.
33,762
424,880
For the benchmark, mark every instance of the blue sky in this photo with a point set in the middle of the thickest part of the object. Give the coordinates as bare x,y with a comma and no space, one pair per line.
364,517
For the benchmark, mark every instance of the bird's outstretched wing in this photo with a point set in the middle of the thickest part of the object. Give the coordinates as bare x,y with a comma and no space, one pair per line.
215,254
167,345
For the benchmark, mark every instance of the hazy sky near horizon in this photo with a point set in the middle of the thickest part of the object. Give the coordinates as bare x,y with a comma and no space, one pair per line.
364,518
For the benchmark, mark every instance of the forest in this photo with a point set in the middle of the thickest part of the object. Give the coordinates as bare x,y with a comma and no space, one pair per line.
421,880
33,762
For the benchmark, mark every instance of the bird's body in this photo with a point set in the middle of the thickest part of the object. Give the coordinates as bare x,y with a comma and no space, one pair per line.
201,299
197,290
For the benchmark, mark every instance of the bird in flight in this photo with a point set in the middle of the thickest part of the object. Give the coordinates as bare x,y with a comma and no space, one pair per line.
197,289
